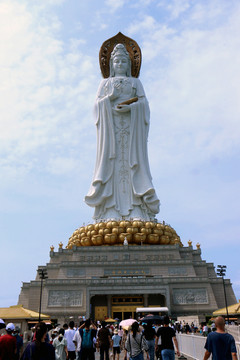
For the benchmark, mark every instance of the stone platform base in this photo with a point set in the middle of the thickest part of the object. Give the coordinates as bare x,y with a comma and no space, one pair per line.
112,281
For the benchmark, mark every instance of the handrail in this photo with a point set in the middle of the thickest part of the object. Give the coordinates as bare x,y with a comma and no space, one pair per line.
193,346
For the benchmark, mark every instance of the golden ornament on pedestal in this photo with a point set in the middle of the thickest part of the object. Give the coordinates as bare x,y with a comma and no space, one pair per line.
110,239
117,230
112,224
125,223
153,239
139,238
114,233
126,236
164,240
97,240
132,230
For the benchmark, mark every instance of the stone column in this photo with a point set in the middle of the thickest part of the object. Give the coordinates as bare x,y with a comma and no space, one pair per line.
109,305
168,302
145,300
88,299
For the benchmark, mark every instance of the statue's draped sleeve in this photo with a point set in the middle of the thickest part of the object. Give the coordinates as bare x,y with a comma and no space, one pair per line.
138,154
101,187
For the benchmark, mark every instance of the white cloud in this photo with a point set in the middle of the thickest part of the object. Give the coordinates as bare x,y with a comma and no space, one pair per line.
62,165
175,7
147,23
114,5
42,87
194,90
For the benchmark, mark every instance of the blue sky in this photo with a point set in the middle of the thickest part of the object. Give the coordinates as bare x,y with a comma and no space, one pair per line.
49,78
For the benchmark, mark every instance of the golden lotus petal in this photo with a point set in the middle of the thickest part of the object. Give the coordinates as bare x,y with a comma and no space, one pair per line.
110,239
164,240
90,227
101,225
158,231
82,229
153,239
104,231
97,240
117,230
125,223
139,238
132,230
137,223
124,236
111,224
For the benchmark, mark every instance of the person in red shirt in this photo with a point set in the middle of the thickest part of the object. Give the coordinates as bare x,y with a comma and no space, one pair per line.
8,344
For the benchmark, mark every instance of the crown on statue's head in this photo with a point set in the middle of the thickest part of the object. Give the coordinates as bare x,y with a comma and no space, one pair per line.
119,50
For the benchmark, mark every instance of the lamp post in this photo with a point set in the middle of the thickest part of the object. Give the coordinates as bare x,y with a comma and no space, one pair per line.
221,271
43,275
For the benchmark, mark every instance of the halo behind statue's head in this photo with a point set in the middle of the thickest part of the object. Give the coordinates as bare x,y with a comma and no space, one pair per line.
131,47
119,50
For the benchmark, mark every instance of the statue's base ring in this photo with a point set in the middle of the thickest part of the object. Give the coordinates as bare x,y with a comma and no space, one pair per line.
134,232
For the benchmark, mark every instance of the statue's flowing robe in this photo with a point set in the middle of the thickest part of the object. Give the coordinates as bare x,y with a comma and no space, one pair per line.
104,193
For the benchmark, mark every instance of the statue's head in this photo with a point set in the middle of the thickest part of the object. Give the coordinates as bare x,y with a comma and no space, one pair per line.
120,53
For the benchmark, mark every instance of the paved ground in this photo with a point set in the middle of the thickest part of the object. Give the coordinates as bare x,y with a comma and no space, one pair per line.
97,357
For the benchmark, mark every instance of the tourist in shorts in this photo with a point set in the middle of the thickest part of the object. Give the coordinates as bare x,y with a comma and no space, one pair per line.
69,334
116,341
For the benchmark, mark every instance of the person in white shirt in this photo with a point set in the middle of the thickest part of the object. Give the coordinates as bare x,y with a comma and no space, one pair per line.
205,330
77,339
69,334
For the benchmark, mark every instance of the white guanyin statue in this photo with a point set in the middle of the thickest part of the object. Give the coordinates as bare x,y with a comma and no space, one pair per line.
122,185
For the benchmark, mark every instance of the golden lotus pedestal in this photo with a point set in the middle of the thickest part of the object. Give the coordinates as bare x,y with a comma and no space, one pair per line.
136,232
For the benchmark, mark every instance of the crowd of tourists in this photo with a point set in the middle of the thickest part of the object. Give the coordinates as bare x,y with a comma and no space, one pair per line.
81,343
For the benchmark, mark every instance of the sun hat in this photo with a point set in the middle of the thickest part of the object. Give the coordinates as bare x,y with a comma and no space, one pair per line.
10,327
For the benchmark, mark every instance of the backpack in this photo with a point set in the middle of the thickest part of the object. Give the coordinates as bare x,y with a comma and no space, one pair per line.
87,342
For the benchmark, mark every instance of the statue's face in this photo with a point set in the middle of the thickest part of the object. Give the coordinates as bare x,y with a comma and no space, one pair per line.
120,65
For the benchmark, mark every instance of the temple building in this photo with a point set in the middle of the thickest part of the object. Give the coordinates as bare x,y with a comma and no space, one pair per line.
112,280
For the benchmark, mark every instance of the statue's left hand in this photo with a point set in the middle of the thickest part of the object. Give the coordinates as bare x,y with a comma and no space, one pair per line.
122,108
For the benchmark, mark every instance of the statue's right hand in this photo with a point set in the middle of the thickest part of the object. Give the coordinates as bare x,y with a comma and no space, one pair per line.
115,93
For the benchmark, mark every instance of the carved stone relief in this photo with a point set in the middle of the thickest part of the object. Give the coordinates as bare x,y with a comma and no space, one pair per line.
75,272
190,296
65,298
159,257
126,272
177,271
